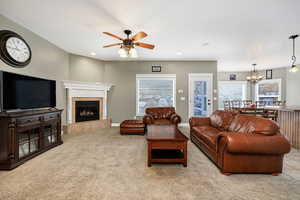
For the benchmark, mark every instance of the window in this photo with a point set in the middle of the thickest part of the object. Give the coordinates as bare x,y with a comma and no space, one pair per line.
154,91
232,90
268,90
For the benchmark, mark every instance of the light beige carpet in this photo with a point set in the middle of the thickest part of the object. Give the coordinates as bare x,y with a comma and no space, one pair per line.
105,165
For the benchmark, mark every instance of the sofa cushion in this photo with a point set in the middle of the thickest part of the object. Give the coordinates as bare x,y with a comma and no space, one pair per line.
208,134
221,119
252,124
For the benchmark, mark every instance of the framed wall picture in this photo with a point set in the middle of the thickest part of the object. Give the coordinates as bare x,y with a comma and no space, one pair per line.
232,77
269,74
156,68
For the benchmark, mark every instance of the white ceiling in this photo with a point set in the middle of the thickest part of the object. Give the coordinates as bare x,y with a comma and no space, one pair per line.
238,32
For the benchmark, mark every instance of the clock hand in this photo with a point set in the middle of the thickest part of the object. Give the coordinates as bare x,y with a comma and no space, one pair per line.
13,48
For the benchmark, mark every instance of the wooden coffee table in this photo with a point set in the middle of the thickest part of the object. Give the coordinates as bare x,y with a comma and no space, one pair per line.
166,144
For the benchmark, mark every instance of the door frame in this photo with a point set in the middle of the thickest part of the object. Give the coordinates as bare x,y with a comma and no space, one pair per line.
199,75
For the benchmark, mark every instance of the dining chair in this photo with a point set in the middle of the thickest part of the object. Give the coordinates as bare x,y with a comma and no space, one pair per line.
235,105
260,103
247,102
279,103
227,105
271,114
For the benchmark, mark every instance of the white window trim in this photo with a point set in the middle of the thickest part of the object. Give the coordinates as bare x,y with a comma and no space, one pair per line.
245,86
269,81
153,77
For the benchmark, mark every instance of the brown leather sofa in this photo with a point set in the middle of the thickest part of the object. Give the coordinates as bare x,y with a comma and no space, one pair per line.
239,143
161,116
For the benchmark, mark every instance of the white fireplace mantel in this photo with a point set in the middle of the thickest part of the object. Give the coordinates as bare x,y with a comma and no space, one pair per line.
77,89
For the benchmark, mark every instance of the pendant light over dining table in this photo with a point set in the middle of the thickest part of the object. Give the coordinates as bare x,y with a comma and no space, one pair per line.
254,75
294,68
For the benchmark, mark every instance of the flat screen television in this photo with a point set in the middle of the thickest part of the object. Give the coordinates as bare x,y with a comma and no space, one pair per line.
26,92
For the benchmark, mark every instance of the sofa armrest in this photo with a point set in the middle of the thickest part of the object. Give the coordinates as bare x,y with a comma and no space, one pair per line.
255,143
199,121
175,119
148,119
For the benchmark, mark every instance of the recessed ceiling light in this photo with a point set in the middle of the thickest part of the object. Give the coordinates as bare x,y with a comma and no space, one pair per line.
205,44
93,53
179,53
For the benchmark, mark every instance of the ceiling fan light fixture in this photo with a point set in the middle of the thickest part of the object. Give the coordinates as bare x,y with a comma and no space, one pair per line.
133,53
122,51
123,55
128,44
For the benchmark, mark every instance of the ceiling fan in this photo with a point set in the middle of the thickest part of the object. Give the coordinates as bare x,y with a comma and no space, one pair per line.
127,46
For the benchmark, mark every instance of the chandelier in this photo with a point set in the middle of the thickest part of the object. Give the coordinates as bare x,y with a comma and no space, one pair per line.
126,52
294,68
254,76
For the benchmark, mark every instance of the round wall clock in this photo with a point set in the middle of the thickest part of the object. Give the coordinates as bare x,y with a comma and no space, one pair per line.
14,50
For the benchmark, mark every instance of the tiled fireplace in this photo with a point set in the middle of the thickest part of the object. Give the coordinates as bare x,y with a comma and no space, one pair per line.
87,101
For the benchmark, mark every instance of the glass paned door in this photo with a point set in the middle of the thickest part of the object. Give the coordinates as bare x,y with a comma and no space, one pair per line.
200,95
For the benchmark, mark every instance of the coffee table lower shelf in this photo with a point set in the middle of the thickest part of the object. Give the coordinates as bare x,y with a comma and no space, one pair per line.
167,156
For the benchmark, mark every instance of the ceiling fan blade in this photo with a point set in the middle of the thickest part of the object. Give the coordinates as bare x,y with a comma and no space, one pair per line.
111,45
112,35
139,36
144,45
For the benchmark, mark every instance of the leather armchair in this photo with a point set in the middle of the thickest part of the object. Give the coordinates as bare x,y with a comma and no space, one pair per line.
175,119
148,119
161,116
239,143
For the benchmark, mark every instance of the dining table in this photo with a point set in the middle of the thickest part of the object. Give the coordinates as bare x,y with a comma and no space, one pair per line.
256,108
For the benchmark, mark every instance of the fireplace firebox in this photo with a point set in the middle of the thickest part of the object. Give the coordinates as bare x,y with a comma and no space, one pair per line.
86,111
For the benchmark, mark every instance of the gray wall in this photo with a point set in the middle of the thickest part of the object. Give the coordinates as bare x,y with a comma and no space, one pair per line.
241,76
86,69
293,88
122,97
51,62
48,61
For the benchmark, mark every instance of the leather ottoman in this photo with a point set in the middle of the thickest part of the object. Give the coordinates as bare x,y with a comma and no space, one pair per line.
132,127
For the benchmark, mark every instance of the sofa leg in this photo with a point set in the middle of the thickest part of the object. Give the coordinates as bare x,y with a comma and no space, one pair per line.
275,174
226,173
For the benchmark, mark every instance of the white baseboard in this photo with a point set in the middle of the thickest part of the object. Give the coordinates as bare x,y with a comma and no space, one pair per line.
183,125
115,124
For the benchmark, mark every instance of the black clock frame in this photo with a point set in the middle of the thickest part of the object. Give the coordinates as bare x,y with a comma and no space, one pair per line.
4,55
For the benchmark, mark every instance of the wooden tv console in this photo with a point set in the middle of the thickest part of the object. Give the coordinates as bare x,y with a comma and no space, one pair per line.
24,135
